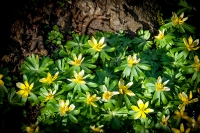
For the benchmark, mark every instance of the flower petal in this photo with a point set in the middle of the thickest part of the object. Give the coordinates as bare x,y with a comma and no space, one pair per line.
140,104
20,85
87,94
114,93
135,108
138,115
167,88
104,88
182,128
148,110
196,59
1,76
26,83
166,82
143,115
67,103
91,43
182,15
196,42
129,84
185,41
190,40
94,41
190,96
31,86
93,104
61,103
146,105
129,92
101,40
159,80
174,130
71,107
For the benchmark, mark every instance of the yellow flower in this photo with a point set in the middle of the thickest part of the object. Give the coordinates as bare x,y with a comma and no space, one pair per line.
160,86
107,94
97,129
91,99
186,100
142,110
194,124
196,65
25,88
32,128
49,79
164,120
77,61
78,77
190,44
49,95
97,46
178,20
180,114
124,89
182,130
64,107
132,60
1,81
161,35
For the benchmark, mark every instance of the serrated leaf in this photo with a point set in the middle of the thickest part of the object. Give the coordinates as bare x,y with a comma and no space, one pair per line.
119,68
32,66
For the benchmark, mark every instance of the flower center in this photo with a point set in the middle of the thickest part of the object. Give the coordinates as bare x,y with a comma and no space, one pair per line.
98,47
50,96
78,79
107,95
159,87
77,62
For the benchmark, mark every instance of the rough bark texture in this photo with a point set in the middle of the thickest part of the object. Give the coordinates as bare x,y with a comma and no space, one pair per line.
27,32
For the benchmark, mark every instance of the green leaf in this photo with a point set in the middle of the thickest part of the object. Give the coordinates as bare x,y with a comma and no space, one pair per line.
70,44
33,99
84,88
75,112
32,66
91,84
163,98
63,53
116,123
127,101
72,118
134,74
189,28
15,99
140,72
156,98
127,72
110,49
68,87
119,68
138,128
144,66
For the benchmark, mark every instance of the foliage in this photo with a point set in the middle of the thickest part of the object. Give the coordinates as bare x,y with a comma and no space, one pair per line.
109,82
